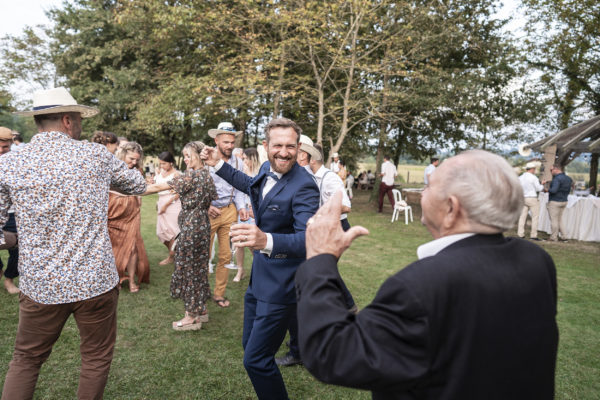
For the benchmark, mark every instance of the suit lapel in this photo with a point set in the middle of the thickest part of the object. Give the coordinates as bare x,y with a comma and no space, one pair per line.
274,190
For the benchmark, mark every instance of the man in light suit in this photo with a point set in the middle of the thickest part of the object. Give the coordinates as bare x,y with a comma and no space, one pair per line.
474,318
283,197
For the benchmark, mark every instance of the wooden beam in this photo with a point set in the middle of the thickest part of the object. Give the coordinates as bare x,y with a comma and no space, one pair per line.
580,135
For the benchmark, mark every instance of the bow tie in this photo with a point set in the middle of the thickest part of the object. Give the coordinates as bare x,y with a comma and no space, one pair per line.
272,175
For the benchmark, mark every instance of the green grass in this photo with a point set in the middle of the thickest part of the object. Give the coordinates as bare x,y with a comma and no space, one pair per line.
152,361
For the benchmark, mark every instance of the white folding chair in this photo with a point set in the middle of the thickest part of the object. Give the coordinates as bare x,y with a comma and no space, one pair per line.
399,206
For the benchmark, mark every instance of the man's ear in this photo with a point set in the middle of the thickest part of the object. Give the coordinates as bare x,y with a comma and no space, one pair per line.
453,212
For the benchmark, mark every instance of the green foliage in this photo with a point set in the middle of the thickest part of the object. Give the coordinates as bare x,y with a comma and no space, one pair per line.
563,44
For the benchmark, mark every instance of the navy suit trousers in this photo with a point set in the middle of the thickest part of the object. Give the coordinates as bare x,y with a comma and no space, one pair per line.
265,325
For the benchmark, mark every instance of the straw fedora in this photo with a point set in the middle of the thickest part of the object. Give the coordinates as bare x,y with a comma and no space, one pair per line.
335,155
57,100
224,127
5,134
306,145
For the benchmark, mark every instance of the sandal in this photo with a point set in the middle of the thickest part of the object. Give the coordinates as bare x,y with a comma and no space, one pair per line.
223,303
195,325
133,288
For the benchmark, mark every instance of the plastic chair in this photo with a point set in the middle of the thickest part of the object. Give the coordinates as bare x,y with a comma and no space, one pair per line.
399,206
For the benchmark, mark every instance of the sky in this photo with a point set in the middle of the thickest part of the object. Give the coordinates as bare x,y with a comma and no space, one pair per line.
16,14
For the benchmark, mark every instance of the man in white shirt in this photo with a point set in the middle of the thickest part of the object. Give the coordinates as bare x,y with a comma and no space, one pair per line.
430,168
388,174
335,164
531,186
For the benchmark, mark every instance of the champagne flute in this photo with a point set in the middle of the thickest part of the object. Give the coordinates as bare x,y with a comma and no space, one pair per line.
233,248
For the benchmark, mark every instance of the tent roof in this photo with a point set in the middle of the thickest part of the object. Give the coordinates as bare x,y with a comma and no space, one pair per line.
581,138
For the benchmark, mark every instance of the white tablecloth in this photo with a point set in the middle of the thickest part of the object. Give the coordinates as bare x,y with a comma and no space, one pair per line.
581,219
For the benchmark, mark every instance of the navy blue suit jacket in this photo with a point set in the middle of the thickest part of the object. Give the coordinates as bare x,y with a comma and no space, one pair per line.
282,213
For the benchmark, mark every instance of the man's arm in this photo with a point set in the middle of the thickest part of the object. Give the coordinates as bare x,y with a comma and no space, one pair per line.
383,348
125,180
5,203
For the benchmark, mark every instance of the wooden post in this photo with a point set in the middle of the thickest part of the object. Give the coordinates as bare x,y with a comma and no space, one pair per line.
594,172
407,176
547,162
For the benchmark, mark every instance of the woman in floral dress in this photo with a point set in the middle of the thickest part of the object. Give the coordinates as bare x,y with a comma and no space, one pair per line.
189,282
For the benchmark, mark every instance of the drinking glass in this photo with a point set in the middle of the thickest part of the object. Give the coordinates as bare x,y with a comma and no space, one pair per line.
233,248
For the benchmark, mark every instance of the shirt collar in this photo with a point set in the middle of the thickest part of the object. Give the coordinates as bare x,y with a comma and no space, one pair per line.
320,172
435,246
279,175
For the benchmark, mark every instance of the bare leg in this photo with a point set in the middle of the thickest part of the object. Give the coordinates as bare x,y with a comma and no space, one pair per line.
239,261
10,286
131,267
169,259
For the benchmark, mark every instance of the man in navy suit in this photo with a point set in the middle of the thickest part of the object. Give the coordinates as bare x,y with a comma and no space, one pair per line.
284,197
473,318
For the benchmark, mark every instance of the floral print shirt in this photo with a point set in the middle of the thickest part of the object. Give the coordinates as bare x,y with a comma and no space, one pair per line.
59,189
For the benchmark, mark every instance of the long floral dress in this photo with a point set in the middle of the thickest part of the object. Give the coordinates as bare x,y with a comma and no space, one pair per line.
189,282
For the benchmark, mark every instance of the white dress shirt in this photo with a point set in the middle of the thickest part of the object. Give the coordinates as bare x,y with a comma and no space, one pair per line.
329,184
389,173
428,171
435,246
531,184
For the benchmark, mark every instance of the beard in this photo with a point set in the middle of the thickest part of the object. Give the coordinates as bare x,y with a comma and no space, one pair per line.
224,151
282,169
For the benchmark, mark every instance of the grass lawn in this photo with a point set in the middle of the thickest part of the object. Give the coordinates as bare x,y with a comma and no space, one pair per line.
152,361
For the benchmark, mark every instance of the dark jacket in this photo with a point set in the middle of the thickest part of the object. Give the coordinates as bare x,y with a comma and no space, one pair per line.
475,321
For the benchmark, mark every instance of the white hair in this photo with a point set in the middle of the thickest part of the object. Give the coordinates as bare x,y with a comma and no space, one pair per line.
486,187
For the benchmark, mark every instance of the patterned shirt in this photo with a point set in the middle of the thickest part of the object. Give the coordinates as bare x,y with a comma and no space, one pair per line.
59,188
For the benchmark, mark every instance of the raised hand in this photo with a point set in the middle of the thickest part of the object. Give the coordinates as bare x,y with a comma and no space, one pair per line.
324,233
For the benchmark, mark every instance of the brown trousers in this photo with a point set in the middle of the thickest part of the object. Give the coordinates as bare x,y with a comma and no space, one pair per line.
221,225
40,326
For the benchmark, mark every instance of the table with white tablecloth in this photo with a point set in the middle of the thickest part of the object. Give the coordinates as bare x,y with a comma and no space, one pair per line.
580,220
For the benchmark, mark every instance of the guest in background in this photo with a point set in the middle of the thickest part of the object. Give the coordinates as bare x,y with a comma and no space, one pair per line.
388,175
124,226
335,164
226,209
107,139
349,185
429,169
251,167
190,277
122,141
559,190
342,172
363,181
12,266
168,206
17,142
531,186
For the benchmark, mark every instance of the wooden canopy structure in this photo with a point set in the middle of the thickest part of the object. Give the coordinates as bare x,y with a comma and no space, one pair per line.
564,146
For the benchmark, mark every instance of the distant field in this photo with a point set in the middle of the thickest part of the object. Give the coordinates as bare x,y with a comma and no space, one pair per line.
414,173
406,173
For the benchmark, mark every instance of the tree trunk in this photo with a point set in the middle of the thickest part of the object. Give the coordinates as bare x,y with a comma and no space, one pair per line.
594,172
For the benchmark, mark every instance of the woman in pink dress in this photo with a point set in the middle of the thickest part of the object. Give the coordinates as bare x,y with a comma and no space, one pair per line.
168,206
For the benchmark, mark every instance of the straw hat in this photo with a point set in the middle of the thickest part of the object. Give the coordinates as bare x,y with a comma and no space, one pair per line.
335,155
5,134
57,100
224,127
530,165
306,145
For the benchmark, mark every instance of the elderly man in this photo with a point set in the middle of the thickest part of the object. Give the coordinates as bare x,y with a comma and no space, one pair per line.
67,265
224,211
12,266
531,186
473,318
559,190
